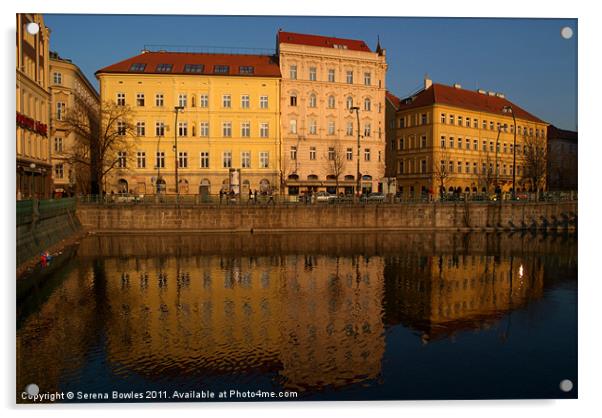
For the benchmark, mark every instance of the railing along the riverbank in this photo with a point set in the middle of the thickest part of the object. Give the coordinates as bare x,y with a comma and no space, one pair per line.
317,199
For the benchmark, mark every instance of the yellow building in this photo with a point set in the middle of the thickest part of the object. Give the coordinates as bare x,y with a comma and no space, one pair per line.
33,108
322,79
70,89
228,121
461,140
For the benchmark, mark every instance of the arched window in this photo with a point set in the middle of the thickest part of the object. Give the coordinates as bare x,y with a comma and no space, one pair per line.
349,102
367,104
331,102
313,101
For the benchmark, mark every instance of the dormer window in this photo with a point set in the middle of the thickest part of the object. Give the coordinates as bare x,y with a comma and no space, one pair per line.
193,68
137,67
246,69
164,68
221,69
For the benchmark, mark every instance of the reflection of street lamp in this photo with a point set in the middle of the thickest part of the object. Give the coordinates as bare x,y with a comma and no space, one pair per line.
33,167
508,109
177,109
357,112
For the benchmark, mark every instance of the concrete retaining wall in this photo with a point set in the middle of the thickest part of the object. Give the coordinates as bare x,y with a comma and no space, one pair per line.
419,216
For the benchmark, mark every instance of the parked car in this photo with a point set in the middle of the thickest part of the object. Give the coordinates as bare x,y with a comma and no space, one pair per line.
324,197
127,198
374,197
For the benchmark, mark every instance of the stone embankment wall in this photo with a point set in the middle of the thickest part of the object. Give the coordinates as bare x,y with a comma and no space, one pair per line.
463,216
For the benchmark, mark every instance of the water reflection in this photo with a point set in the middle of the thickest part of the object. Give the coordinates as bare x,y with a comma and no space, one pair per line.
307,313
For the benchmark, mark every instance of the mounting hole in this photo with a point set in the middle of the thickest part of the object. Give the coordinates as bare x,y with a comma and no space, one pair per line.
33,28
566,385
566,32
32,389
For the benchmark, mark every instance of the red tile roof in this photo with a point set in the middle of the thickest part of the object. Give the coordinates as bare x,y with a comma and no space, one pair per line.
466,99
263,65
323,41
396,101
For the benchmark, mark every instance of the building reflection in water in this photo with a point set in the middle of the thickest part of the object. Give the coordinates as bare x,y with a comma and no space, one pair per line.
307,320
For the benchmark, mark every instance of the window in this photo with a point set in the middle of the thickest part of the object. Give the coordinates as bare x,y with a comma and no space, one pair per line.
459,143
245,159
245,129
475,170
423,119
401,143
349,77
141,159
367,129
59,171
60,110
227,159
475,145
443,118
491,146
367,79
293,101
401,167
367,154
452,121
367,104
182,100
451,141
423,166
467,122
182,128
293,153
160,160
193,68
402,123
159,100
331,75
58,78
263,102
293,72
204,100
467,167
443,141
204,159
331,127
221,69
121,128
122,159
264,130
227,129
313,127
163,68
245,101
331,102
460,120
484,146
331,154
451,166
484,125
423,141
264,159
204,129
140,129
140,99
226,101
491,125
58,144
293,126
349,154
137,67
349,102
312,153
312,100
349,130
312,73
246,69
159,129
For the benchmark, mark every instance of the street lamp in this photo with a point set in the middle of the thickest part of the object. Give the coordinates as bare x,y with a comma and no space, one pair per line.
508,109
357,112
177,109
33,167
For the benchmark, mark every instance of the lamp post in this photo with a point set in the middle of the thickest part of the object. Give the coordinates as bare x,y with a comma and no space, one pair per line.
31,184
497,149
177,109
508,109
357,112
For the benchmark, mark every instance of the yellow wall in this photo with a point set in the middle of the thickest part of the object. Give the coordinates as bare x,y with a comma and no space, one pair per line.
140,180
413,153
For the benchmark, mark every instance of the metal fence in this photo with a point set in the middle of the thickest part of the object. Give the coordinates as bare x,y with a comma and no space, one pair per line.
317,199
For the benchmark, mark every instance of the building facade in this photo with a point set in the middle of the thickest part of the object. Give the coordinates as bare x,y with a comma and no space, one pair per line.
391,107
323,80
34,166
451,139
227,122
72,92
562,159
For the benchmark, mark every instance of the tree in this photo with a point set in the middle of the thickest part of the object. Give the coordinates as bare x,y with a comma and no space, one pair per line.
95,151
441,171
486,178
535,161
336,161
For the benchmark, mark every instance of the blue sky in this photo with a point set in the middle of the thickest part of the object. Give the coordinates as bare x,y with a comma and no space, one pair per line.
526,59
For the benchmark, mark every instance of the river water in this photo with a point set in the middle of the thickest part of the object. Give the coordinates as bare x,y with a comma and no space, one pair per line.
328,316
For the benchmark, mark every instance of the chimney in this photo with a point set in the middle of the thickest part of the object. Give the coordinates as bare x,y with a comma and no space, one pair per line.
481,91
427,82
501,95
457,86
491,93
